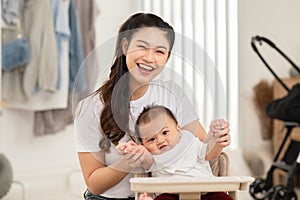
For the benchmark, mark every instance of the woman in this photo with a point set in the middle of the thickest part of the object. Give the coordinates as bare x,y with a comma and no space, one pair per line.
107,117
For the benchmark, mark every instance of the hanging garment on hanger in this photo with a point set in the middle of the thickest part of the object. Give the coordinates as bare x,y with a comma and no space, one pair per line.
76,52
43,100
11,11
62,29
15,47
52,121
88,12
41,72
56,119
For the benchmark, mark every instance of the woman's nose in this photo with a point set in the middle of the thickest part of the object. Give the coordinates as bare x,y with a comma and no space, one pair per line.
149,56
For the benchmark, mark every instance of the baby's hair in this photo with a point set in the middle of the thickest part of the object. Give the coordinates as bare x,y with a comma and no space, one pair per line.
151,112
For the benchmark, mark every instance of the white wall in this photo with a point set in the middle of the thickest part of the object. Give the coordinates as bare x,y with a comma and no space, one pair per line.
280,22
112,14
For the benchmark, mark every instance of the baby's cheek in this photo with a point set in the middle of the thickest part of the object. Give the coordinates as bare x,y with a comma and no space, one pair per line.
151,148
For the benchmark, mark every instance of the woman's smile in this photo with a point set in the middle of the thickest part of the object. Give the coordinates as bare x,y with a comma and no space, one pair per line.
145,67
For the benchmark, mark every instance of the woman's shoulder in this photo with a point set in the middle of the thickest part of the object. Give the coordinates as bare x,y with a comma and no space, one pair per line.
90,104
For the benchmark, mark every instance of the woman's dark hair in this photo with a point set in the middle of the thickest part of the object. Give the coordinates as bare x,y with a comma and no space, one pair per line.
114,118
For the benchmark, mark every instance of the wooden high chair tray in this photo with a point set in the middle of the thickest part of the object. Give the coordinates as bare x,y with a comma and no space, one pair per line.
190,187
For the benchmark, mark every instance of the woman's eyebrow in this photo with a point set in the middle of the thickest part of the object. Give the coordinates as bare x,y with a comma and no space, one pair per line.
146,43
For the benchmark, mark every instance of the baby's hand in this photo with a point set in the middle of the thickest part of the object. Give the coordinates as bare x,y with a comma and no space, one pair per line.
126,147
133,154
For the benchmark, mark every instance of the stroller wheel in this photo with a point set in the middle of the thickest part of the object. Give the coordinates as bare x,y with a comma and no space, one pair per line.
292,196
258,189
281,192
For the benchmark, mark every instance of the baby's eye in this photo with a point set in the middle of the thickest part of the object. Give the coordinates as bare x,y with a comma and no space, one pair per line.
151,140
165,132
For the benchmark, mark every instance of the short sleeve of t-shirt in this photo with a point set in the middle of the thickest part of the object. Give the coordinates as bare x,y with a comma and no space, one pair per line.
86,124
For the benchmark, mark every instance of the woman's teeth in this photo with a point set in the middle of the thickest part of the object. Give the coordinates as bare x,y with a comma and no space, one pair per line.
146,67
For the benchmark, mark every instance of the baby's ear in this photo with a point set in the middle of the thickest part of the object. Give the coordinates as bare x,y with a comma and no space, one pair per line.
124,44
178,127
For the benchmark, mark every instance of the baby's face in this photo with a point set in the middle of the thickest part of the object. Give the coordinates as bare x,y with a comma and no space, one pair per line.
160,135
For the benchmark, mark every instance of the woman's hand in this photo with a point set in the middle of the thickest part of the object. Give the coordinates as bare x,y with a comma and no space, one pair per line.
219,132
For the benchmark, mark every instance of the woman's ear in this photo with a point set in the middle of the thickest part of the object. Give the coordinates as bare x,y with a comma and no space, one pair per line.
124,44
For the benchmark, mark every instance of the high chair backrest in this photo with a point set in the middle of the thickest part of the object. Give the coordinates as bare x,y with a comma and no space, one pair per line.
221,165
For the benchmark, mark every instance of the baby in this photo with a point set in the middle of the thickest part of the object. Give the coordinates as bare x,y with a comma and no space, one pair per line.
170,151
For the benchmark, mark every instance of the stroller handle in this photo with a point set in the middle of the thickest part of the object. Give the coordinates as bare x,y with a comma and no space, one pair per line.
260,39
266,40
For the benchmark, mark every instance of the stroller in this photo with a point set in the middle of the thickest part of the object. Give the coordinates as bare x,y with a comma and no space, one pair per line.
286,109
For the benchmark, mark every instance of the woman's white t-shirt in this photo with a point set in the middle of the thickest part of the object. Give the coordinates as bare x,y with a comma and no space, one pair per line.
88,131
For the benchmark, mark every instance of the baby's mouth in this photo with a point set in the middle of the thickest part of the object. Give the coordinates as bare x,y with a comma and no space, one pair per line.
164,147
146,67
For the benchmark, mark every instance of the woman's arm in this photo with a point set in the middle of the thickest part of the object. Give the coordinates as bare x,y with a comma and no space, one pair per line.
99,177
215,147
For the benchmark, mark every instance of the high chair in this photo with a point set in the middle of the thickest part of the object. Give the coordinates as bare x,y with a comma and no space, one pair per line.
192,187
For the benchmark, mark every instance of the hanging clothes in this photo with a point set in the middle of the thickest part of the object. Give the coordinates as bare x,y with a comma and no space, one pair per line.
52,121
76,51
38,27
88,12
62,30
11,11
33,88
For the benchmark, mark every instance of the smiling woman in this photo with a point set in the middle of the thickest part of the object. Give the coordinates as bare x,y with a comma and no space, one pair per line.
107,117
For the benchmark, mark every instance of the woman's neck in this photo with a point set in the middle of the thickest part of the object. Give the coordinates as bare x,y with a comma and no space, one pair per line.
137,90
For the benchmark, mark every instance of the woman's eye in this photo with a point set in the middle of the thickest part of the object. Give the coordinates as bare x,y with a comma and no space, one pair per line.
165,132
160,52
141,47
